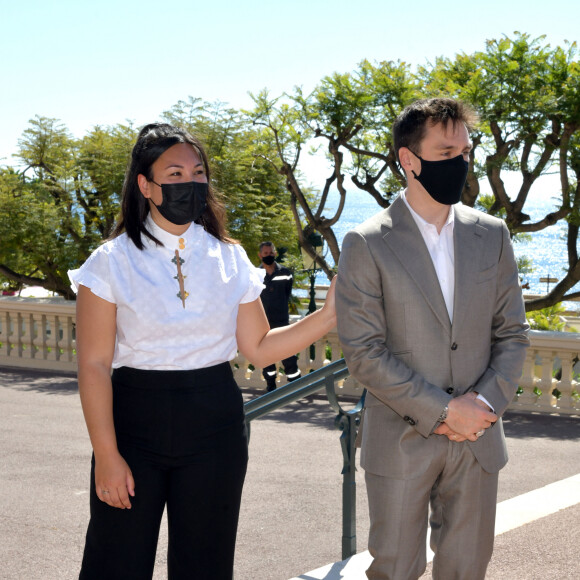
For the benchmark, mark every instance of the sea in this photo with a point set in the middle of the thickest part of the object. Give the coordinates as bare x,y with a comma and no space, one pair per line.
546,249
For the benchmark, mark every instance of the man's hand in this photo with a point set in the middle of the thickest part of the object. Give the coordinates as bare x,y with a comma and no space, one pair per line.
443,429
467,416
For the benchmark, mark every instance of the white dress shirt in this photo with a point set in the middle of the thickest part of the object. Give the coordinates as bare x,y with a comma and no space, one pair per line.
154,329
442,252
440,246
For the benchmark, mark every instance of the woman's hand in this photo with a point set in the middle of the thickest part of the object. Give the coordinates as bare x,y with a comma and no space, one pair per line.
114,481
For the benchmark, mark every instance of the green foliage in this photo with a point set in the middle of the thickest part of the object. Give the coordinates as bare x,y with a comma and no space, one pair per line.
547,318
487,203
56,210
525,265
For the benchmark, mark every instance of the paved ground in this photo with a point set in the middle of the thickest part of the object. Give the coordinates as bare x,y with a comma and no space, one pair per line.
291,513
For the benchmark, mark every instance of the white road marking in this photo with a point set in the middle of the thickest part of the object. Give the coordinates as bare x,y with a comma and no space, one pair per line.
539,503
511,514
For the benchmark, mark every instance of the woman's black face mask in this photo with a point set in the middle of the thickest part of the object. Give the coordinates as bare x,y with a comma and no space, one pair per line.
444,180
182,202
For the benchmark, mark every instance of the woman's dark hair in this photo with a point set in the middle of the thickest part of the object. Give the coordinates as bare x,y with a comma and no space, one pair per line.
153,140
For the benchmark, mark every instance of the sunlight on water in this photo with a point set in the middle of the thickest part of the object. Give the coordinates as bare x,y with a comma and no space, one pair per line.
547,248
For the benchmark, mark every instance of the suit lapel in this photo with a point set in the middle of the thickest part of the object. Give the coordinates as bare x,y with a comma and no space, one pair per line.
404,239
468,242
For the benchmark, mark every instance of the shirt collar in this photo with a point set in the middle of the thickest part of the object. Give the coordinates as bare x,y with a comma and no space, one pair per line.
422,223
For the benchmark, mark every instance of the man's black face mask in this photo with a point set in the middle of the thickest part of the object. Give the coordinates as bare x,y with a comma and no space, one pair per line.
443,180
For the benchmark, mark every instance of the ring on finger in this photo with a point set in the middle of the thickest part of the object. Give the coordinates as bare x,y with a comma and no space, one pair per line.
104,491
480,433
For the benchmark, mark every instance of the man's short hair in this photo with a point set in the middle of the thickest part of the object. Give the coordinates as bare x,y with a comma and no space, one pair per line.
269,244
410,126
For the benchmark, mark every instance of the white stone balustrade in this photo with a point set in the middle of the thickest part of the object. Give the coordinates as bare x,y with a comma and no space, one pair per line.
39,333
551,367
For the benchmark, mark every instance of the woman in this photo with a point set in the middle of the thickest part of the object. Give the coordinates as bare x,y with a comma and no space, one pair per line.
166,303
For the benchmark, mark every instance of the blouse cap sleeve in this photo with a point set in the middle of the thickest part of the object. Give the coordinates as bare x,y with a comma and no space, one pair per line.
255,276
95,275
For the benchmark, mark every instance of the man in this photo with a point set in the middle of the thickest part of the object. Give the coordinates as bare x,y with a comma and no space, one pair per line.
431,320
275,296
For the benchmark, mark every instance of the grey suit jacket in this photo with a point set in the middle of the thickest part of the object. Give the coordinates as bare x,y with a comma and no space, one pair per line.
398,340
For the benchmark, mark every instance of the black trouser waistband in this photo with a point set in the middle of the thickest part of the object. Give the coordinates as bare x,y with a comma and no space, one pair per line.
171,379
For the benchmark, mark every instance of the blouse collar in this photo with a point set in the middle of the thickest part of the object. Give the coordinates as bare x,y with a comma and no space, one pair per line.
171,241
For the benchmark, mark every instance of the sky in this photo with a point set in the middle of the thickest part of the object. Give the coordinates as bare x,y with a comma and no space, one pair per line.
107,62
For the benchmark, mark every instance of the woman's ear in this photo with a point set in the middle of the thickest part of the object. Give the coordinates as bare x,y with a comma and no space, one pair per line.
143,185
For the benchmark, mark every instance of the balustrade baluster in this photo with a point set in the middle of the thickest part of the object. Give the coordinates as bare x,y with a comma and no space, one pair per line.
51,332
38,346
19,338
565,385
5,332
65,342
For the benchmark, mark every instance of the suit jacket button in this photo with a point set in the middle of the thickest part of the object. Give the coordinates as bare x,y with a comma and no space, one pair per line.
409,420
450,390
454,346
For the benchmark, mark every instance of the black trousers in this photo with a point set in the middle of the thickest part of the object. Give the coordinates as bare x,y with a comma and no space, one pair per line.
183,435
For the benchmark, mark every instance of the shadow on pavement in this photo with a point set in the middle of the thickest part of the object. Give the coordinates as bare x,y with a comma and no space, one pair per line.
39,381
528,425
314,410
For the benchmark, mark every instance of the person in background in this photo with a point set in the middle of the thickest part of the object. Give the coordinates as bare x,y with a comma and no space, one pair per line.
431,320
166,303
275,296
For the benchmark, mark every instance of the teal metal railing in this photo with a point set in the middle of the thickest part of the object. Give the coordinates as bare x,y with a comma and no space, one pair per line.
346,420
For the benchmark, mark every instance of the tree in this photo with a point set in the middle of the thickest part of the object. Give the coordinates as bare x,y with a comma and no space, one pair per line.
57,209
352,115
528,95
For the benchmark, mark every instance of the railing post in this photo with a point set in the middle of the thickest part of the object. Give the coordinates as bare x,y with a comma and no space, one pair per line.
347,423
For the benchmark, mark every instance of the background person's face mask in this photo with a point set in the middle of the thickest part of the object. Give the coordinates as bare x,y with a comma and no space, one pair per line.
182,202
443,180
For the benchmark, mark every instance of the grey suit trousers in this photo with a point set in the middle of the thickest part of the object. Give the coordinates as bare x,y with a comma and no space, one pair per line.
462,497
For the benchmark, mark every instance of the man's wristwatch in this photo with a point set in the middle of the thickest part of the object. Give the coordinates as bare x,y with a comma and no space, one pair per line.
443,415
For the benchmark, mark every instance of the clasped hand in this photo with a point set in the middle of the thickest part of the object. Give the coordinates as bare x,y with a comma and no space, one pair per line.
466,417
